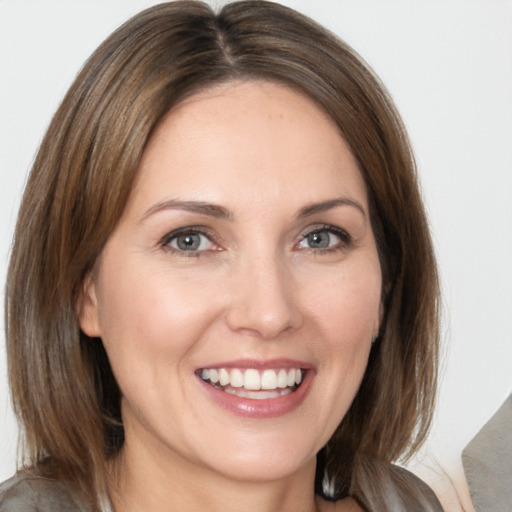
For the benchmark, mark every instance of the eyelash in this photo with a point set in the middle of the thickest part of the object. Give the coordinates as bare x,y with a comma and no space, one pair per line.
165,242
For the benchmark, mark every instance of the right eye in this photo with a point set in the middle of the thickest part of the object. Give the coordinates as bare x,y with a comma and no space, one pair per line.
191,241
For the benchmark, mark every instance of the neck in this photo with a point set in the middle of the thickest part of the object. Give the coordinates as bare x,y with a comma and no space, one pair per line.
141,483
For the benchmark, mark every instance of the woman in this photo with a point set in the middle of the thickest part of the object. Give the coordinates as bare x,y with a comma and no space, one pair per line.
222,291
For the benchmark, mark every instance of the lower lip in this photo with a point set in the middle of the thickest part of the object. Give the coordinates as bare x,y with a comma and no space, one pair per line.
266,408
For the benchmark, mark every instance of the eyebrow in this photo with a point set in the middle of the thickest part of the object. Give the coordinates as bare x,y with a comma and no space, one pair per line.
212,210
219,212
314,208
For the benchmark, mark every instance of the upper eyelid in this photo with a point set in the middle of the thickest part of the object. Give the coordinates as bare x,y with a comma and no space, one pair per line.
201,230
325,227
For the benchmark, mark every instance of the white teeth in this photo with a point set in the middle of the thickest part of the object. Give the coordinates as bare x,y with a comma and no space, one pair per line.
282,379
258,395
237,378
252,380
223,377
269,379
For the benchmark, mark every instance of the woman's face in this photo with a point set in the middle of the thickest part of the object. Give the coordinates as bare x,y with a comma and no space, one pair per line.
244,259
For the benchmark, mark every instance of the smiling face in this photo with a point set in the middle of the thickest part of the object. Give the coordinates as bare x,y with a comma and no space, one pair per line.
244,260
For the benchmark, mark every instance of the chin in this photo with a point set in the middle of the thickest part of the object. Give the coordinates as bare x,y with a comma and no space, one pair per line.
265,460
268,470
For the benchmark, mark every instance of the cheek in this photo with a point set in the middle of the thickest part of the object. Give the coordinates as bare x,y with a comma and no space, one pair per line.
152,314
346,303
346,317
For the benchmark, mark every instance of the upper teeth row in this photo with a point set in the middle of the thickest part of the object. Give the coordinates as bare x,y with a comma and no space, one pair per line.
252,379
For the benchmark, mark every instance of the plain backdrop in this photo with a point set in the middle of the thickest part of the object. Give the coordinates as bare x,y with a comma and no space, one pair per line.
448,65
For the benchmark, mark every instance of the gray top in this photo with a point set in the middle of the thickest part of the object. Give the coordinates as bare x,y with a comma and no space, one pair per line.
26,492
487,462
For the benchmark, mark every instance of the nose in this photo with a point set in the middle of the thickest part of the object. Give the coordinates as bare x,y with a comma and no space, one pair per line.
265,302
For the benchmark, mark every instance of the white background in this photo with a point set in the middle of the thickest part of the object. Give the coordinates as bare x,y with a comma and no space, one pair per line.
447,63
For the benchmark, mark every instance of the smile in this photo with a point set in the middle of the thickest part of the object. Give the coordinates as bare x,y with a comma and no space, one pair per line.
252,383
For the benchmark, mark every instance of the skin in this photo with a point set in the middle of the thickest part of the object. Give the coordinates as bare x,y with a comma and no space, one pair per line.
256,288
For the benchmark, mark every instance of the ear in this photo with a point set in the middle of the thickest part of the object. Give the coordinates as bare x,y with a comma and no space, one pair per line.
87,309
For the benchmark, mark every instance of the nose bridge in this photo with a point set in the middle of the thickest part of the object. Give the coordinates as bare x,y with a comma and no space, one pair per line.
265,302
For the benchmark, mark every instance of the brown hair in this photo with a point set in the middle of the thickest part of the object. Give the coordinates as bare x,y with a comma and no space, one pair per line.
64,393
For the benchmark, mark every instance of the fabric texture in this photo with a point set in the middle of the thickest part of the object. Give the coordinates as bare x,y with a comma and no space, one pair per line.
26,492
390,488
487,462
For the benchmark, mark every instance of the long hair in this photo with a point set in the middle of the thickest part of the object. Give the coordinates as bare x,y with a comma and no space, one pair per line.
64,392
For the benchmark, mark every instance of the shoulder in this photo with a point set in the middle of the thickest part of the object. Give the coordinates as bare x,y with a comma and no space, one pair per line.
387,487
27,492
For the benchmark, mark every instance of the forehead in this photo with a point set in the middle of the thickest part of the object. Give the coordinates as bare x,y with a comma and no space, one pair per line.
251,135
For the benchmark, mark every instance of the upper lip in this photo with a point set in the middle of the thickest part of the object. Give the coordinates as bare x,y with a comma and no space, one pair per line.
260,364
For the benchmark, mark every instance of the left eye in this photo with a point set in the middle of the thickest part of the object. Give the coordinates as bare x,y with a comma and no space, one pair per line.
190,241
320,239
